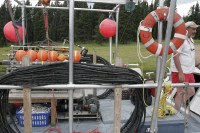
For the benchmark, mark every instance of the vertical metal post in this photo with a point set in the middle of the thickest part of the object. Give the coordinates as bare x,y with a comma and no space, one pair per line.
110,42
153,128
71,62
116,36
158,59
23,21
160,29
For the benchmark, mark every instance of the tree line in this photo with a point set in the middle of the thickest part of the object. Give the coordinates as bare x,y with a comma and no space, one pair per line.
86,23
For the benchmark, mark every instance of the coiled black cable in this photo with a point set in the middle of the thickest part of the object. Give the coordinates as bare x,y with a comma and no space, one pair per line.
58,73
89,59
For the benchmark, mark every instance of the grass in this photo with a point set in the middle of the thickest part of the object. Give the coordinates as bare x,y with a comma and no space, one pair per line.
128,53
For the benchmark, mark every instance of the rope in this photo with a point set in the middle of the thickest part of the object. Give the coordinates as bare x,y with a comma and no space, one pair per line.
165,109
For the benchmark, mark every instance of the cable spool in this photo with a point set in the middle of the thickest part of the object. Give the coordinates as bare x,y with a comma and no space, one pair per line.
19,55
42,55
52,56
32,54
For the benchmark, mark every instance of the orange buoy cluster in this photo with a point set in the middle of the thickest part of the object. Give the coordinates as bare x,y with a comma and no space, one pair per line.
43,55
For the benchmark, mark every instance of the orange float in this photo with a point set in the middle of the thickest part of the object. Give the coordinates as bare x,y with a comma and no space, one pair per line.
77,56
146,31
19,55
32,54
52,56
42,55
45,2
62,57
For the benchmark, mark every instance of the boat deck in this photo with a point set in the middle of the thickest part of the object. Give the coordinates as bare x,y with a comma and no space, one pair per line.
173,124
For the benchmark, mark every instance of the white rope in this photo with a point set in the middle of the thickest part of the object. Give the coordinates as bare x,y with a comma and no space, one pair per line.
138,47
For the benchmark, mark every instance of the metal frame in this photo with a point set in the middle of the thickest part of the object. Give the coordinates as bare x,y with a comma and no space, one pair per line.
72,86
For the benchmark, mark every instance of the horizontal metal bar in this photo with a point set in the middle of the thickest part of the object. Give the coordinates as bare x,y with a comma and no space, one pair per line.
149,85
75,86
67,8
10,87
105,86
104,1
12,46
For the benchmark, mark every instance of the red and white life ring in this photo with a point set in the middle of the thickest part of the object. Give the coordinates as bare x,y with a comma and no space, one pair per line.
146,31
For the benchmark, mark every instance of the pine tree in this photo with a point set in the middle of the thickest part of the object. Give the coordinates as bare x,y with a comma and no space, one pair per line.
4,18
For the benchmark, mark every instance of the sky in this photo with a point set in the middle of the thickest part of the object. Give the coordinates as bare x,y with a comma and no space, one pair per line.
183,6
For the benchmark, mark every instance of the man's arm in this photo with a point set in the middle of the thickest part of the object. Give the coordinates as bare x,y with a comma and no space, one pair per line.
178,66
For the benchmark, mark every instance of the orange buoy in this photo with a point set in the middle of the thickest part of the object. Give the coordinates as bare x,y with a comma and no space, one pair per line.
42,55
45,2
62,57
19,55
77,56
32,54
146,31
52,56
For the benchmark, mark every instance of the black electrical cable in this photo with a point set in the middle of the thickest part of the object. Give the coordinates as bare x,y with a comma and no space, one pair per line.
88,58
58,73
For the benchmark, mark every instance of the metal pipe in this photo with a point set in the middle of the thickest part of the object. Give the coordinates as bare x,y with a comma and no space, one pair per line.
116,36
153,128
10,87
104,86
107,86
159,59
23,22
160,29
110,44
40,47
71,62
116,8
67,8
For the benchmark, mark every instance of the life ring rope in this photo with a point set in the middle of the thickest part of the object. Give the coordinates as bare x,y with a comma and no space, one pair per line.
146,27
159,49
